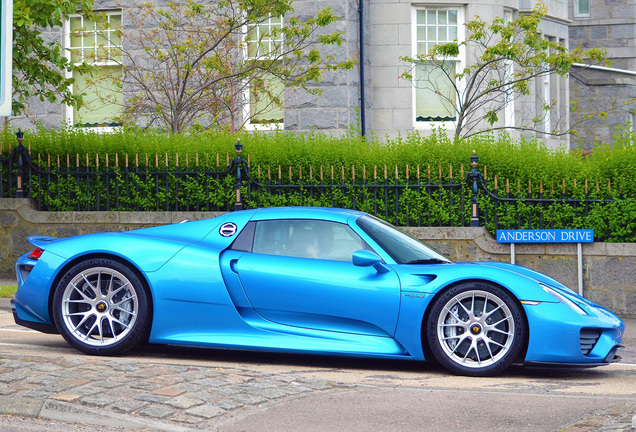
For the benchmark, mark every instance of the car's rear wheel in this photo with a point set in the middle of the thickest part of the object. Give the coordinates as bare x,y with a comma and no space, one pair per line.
476,329
101,307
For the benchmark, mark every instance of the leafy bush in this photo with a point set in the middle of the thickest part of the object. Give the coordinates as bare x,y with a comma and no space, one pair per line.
150,170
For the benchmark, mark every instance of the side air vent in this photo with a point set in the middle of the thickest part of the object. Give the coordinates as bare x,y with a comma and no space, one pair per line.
589,337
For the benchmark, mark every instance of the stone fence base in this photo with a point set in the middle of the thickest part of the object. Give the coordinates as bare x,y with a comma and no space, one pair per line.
609,269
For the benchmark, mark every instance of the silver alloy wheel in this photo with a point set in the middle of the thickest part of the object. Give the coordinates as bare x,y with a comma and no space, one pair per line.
476,329
99,306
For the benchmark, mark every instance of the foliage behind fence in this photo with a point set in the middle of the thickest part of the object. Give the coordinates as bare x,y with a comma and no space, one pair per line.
391,183
415,196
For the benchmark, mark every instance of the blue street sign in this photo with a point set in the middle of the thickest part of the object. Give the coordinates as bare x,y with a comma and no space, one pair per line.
546,236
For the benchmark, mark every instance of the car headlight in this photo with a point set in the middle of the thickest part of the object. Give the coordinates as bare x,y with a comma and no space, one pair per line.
563,299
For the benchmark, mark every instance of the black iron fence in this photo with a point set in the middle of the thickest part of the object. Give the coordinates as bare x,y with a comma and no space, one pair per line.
407,196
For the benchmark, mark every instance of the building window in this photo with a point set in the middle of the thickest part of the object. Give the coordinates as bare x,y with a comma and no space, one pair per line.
265,94
581,8
435,90
99,45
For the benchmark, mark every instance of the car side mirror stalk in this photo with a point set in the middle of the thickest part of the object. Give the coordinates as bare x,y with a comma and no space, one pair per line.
365,258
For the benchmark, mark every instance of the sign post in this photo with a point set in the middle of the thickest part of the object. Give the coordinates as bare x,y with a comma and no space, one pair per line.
578,236
6,56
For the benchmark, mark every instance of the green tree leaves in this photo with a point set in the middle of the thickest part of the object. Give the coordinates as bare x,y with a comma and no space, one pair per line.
39,65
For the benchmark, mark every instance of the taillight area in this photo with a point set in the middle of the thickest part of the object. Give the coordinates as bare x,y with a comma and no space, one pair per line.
36,254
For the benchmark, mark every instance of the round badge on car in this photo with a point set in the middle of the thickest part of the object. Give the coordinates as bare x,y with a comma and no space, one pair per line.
228,229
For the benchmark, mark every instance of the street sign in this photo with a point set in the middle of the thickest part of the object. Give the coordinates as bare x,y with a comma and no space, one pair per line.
6,56
546,236
577,236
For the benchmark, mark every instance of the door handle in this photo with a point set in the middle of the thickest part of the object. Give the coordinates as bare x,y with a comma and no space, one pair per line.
233,265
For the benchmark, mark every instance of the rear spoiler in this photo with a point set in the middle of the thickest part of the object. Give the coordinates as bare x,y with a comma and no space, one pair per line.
41,241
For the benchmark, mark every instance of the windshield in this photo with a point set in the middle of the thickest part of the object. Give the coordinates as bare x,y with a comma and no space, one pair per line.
403,248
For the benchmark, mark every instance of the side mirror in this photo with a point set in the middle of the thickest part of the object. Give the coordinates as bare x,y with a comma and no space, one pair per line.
366,258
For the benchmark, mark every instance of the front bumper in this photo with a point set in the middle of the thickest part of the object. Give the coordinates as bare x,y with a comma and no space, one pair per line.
558,336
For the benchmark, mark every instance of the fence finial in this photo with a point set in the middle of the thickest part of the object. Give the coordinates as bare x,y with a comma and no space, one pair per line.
19,190
238,162
20,137
473,176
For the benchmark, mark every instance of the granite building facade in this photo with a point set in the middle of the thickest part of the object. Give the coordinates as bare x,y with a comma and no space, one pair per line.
377,33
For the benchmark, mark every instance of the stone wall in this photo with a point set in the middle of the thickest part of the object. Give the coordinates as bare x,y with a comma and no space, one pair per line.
609,268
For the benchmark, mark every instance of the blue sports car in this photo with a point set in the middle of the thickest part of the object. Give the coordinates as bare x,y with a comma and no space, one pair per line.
308,280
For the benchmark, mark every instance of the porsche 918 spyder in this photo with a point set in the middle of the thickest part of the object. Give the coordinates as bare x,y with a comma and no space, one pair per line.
305,280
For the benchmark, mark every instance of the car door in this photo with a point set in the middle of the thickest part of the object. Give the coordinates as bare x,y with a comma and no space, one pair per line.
299,273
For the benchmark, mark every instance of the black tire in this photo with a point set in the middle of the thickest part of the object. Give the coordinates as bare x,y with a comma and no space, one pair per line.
101,307
476,329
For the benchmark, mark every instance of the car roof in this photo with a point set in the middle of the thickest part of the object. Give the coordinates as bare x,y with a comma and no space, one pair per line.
326,213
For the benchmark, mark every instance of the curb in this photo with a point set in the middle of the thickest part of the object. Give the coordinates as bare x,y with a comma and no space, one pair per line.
5,304
62,411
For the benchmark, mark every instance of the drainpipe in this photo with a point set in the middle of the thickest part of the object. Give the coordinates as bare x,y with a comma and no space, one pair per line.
361,68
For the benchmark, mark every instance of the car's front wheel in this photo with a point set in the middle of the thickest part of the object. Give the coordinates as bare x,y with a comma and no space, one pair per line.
476,329
101,307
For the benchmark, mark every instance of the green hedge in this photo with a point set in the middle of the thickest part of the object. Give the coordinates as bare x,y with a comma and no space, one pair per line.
524,160
610,173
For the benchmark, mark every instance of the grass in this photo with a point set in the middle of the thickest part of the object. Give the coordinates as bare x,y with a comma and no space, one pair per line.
7,291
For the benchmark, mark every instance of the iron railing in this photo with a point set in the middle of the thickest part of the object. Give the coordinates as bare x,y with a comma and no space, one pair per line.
404,196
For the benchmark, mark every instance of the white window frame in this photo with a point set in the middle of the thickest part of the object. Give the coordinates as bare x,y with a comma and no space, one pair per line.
69,118
577,9
509,109
246,95
460,62
547,99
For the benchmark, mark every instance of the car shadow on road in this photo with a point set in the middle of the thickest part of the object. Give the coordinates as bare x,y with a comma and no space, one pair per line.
242,359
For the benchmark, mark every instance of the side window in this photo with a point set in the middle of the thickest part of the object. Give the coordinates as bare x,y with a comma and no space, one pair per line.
307,239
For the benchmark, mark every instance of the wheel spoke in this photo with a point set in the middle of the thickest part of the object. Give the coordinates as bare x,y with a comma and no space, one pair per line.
504,319
114,293
500,331
454,315
82,321
487,342
90,285
81,292
120,323
483,311
112,327
464,307
493,311
125,300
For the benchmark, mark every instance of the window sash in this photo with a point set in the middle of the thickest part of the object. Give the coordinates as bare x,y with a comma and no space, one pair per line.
438,103
95,42
582,8
264,39
102,99
435,26
263,109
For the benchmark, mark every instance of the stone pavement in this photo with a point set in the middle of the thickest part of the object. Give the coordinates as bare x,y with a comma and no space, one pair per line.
139,394
156,396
